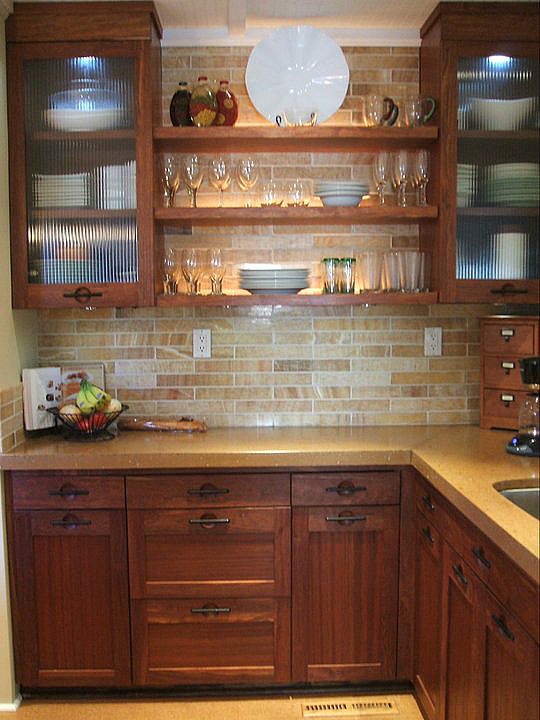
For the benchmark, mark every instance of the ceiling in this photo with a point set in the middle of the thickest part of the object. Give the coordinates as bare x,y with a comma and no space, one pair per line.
244,22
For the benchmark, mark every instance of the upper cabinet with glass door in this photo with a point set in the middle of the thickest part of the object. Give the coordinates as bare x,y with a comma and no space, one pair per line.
481,60
80,123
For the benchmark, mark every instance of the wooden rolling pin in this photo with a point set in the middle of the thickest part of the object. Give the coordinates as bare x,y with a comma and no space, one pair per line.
183,424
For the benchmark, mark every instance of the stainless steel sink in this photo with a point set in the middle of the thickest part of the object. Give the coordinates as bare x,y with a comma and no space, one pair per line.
527,498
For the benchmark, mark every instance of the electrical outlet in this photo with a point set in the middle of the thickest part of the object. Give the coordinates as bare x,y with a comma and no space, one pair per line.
433,341
202,343
42,389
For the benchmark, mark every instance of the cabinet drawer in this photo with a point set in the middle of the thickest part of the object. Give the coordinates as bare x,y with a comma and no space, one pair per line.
44,492
501,407
185,491
512,337
346,488
502,372
225,639
233,551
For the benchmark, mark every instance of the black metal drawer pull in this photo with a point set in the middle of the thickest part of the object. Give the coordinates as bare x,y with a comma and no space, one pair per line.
82,294
503,627
345,519
211,610
208,489
479,555
209,521
427,502
346,488
426,532
68,491
458,570
70,521
509,289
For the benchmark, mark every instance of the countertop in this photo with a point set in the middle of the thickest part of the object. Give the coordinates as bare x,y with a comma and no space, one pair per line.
462,462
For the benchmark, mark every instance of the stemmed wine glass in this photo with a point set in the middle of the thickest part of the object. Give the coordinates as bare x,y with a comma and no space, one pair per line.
219,175
247,174
381,173
192,268
192,174
421,173
402,174
216,270
169,272
170,178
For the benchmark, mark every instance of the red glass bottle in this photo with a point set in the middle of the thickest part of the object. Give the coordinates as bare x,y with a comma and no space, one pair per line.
227,113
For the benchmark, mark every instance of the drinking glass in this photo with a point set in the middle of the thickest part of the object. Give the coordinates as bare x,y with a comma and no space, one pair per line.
170,178
192,269
169,272
219,175
402,174
421,172
247,174
192,174
298,193
216,270
382,166
271,195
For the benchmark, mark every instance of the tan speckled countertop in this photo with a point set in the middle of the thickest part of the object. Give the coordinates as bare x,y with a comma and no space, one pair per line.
462,462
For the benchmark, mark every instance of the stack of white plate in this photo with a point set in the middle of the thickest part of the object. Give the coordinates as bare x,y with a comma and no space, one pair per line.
116,186
496,114
466,184
346,193
270,278
82,120
60,190
510,255
513,184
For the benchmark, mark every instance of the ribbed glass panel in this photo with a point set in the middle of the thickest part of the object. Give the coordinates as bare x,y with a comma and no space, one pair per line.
81,170
497,168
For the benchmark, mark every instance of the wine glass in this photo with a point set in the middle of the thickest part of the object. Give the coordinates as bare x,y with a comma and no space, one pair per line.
219,175
216,270
192,174
247,174
381,173
170,178
421,172
402,174
169,272
192,268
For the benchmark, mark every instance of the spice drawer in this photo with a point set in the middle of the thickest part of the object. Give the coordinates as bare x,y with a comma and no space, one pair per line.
515,335
64,491
375,487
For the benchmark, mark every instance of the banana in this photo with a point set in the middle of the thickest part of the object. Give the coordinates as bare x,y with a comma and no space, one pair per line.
91,397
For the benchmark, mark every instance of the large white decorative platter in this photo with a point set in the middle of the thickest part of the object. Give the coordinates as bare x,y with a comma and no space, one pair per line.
297,67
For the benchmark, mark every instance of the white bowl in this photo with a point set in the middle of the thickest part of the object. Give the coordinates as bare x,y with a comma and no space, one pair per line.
81,121
495,114
341,200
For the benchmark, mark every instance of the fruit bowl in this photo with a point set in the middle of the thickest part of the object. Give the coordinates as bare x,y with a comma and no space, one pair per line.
91,426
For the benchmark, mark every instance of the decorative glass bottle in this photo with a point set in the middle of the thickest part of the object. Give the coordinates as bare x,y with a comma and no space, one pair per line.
227,105
203,105
179,107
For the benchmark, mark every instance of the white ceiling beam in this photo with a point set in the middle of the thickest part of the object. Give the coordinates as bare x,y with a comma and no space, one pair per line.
236,17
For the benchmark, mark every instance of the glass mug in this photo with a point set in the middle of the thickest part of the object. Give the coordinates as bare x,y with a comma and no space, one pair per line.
379,110
416,111
296,117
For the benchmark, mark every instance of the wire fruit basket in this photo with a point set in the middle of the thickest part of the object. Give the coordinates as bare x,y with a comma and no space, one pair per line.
93,426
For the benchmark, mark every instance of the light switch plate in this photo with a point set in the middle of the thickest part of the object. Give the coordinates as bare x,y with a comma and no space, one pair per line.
42,389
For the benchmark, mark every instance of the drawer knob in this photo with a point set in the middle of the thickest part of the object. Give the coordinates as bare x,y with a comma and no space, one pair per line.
480,556
345,518
506,398
208,520
458,572
70,521
507,366
426,499
503,627
69,491
346,488
426,532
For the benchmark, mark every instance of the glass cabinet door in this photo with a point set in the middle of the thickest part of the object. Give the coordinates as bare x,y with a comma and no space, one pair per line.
497,186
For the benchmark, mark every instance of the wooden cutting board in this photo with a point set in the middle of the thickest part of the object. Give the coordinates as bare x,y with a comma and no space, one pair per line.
183,424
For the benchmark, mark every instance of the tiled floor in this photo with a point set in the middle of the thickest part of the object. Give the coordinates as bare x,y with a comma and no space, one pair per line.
286,708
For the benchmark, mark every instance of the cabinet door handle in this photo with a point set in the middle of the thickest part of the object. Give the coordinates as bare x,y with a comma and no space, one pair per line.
210,610
458,571
345,519
70,521
68,491
427,502
426,532
207,489
346,488
479,555
506,365
509,289
209,520
507,398
503,627
82,294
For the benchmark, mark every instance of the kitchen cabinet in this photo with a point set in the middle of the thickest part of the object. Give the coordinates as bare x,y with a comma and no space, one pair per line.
265,139
481,62
83,83
503,341
210,578
476,633
69,580
345,569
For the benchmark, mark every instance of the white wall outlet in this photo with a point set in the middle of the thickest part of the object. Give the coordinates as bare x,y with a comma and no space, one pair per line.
433,341
202,343
42,389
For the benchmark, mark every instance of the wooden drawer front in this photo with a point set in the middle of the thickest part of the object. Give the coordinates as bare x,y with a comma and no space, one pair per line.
187,491
510,337
232,551
224,639
347,488
502,406
502,372
36,491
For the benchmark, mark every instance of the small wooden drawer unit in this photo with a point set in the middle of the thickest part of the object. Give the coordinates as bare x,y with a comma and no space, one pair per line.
504,340
60,491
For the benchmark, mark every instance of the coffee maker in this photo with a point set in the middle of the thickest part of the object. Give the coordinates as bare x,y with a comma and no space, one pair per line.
527,440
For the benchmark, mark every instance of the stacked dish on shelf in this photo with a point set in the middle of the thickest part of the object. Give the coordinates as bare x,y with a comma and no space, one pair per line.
340,193
496,114
85,107
262,278
513,184
57,191
466,184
